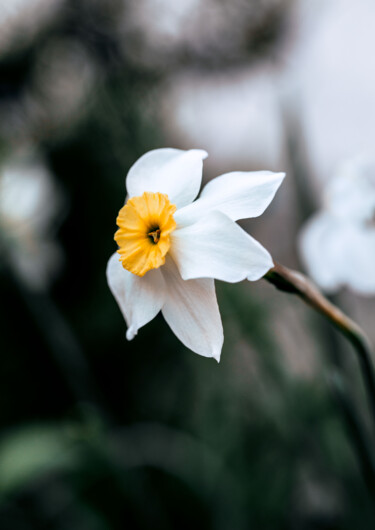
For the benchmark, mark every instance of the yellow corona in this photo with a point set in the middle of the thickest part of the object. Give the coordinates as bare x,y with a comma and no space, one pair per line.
145,224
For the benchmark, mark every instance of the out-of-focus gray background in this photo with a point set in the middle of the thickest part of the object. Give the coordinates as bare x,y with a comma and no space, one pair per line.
98,433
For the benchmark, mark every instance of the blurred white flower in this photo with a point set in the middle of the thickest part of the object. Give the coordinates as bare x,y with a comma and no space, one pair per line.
338,243
171,248
29,202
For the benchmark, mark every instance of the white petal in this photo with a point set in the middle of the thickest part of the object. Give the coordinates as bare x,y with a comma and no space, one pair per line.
216,247
140,299
172,171
192,312
239,195
322,245
359,259
351,193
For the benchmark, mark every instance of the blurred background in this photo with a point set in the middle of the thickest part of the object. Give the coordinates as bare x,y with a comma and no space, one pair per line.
98,433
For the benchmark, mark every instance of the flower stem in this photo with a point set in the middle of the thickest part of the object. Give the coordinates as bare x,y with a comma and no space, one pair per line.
362,445
296,283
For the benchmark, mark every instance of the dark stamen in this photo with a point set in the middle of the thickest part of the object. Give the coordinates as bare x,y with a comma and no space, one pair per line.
154,235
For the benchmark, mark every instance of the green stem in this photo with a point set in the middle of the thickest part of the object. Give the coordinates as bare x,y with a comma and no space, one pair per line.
296,283
362,446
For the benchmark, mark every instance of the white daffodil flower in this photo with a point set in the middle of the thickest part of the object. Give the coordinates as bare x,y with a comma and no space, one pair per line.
171,249
338,243
29,204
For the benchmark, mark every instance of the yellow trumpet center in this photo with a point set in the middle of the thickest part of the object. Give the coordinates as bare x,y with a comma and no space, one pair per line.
145,224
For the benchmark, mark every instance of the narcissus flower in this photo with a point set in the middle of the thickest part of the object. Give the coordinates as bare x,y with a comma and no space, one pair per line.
171,249
338,243
30,204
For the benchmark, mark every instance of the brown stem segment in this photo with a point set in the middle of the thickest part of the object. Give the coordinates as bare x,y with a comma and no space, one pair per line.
294,282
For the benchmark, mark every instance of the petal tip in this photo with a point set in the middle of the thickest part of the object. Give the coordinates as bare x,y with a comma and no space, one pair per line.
262,271
131,333
278,176
202,153
216,353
